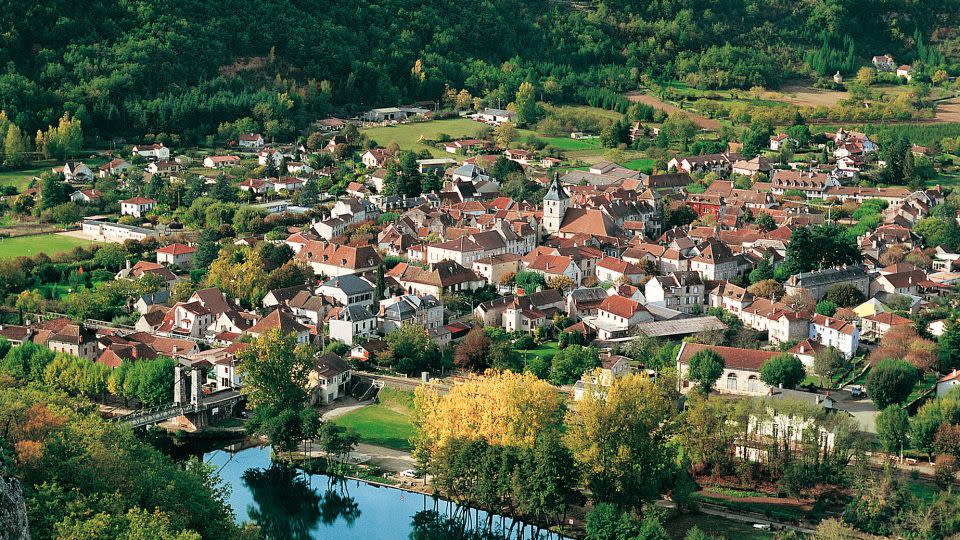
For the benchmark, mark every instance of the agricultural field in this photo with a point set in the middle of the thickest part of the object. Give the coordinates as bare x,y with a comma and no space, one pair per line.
409,136
45,243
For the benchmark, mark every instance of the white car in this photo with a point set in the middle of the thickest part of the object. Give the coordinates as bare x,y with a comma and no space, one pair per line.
409,473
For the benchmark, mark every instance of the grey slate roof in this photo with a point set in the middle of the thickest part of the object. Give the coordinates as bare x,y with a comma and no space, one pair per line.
350,284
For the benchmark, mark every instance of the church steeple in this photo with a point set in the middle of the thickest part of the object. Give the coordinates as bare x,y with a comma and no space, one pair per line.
556,192
555,204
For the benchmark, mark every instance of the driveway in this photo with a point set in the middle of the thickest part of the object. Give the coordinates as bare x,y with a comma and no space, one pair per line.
862,409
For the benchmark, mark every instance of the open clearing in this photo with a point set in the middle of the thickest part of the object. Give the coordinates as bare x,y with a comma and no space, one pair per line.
387,423
948,110
805,96
657,103
410,136
44,243
20,179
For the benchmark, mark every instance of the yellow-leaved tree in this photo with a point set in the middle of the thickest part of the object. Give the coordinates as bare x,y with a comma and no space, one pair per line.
619,438
501,408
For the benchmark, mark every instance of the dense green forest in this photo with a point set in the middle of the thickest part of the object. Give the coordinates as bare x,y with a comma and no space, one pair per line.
131,67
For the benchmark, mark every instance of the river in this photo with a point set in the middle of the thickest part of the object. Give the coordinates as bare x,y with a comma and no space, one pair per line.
289,504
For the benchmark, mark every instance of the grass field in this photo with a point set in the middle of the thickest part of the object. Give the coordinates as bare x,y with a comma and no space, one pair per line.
20,179
409,136
643,165
387,423
715,526
546,350
44,243
566,143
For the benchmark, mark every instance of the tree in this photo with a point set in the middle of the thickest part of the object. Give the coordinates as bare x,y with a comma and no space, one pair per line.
822,246
111,256
503,356
949,347
572,362
939,231
530,282
28,303
337,441
275,371
925,425
784,370
239,274
52,191
756,138
550,481
560,283
890,382
473,352
893,427
706,366
289,274
528,111
826,307
679,127
619,439
410,350
500,408
766,222
762,272
706,433
504,134
768,288
799,133
15,147
828,361
844,295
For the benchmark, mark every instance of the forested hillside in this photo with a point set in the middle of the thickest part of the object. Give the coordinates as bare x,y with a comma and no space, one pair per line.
127,66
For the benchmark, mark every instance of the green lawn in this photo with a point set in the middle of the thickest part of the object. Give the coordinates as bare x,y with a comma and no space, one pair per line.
20,179
924,384
44,243
409,136
387,423
546,350
566,143
644,165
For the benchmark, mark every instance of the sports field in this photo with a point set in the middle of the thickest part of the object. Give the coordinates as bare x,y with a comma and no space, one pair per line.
43,243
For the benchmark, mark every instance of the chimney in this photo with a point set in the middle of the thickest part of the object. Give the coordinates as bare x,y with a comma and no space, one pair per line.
128,264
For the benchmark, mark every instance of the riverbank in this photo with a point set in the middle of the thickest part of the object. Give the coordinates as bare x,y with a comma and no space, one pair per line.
293,502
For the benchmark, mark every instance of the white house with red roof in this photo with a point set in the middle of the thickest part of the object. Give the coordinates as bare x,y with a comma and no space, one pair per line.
157,152
375,157
948,382
256,186
250,140
832,332
176,255
221,162
137,206
86,196
617,270
617,317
